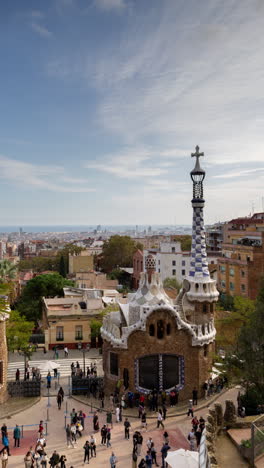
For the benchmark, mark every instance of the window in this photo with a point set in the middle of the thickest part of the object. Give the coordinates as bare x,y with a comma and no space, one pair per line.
173,249
158,262
183,272
243,287
212,262
160,329
204,308
223,284
205,350
78,332
152,330
59,334
174,272
242,273
183,262
159,270
168,329
222,268
231,272
126,378
173,262
113,364
231,286
1,373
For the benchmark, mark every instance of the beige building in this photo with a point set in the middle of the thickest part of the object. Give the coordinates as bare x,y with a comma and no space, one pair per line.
81,263
94,279
66,320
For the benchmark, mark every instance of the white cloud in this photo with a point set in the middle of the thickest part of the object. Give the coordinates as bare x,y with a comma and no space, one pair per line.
41,177
110,4
41,30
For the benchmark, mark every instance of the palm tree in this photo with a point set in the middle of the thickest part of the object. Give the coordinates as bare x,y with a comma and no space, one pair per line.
8,271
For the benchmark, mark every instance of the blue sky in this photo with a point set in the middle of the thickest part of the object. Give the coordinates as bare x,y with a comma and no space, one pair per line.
102,102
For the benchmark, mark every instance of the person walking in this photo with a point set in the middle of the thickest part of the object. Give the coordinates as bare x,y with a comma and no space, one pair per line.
17,375
144,419
164,410
17,435
48,380
5,442
95,422
69,436
190,409
164,453
66,352
59,400
73,432
191,439
108,437
139,443
63,461
117,411
86,449
61,391
109,418
195,396
134,458
113,460
28,460
160,419
103,435
54,460
153,453
127,425
4,458
93,446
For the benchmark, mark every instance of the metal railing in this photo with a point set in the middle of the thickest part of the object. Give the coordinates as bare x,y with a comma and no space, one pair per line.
23,428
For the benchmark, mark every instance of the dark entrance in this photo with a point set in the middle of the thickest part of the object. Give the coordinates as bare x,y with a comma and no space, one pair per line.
149,372
159,371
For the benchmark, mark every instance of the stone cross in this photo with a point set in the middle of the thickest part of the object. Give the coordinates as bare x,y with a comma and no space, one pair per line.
197,154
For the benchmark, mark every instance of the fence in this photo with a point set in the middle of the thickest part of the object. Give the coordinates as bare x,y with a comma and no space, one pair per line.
23,428
204,460
86,386
257,439
25,388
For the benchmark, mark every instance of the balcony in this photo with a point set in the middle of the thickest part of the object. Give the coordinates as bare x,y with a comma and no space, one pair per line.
78,337
60,338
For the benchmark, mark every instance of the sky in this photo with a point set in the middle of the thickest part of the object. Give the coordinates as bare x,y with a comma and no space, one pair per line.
103,101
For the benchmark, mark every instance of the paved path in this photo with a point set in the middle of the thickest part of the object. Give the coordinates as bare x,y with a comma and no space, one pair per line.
177,427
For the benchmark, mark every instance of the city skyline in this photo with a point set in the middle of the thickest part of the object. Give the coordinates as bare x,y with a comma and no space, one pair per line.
103,102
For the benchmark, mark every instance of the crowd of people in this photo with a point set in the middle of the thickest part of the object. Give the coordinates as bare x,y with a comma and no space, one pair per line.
77,371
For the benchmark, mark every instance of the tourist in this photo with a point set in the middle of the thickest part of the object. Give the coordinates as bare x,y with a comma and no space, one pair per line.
139,443
127,425
62,461
198,435
142,463
17,375
41,429
69,436
101,398
190,408
108,437
148,459
17,434
164,453
73,432
95,422
153,453
54,460
166,437
111,400
79,429
205,388
160,419
61,392
195,396
117,411
66,352
3,430
103,435
135,440
81,417
191,439
4,458
164,411
144,420
149,442
73,416
93,446
86,449
5,442
134,458
201,423
113,460
44,460
109,419
59,400
77,365
195,423
48,380
28,460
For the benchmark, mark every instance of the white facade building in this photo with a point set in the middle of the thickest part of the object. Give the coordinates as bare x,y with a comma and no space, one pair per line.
171,262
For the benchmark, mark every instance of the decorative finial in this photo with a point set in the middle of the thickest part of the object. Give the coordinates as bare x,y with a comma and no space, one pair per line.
197,154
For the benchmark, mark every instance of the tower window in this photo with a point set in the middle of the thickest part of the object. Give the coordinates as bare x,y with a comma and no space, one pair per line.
168,329
173,272
204,308
183,272
152,330
113,364
173,249
160,329
173,262
205,350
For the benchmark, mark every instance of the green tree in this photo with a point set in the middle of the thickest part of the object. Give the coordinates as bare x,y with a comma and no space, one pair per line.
8,271
18,331
62,268
172,283
39,264
50,285
117,252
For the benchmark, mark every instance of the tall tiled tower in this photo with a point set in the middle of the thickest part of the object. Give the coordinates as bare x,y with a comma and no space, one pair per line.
152,344
4,315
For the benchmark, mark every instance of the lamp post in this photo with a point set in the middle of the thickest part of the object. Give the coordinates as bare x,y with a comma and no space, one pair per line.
85,350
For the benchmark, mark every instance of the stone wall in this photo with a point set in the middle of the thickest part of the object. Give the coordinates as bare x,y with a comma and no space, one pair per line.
196,363
3,360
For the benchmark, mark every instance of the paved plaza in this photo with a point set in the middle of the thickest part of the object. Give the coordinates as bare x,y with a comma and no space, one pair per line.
177,427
